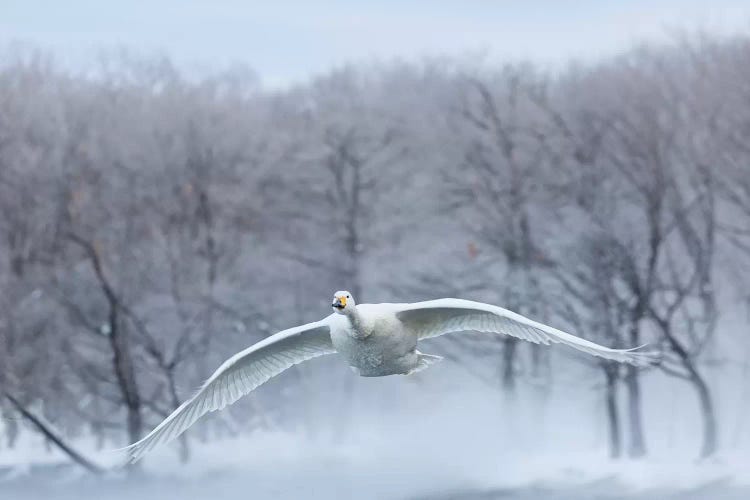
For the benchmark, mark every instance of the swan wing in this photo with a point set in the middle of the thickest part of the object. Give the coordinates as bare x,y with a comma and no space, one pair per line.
239,375
437,317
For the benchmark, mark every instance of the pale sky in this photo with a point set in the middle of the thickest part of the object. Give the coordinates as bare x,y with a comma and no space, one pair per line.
287,41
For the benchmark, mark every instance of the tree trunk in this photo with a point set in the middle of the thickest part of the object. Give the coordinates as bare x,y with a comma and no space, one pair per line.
637,446
508,369
537,361
613,417
710,441
11,429
53,437
708,413
135,425
184,447
125,373
119,341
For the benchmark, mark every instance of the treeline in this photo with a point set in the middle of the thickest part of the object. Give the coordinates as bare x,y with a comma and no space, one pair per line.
152,224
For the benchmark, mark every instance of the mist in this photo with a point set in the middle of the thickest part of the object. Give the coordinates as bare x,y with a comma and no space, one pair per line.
154,223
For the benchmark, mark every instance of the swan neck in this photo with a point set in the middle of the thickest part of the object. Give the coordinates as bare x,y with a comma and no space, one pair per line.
356,321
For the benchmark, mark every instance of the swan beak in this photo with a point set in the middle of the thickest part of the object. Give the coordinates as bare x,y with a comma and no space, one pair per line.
339,302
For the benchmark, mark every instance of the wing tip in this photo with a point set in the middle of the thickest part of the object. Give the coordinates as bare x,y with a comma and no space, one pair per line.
641,359
130,454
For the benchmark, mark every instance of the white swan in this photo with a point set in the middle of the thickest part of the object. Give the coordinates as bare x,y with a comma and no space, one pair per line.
375,340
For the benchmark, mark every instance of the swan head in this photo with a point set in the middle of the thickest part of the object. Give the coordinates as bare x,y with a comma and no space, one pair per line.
343,302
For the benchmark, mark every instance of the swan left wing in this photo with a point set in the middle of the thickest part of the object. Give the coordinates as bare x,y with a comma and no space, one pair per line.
437,317
239,375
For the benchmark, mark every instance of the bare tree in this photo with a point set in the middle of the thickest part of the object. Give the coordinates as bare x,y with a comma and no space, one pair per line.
498,185
593,301
119,338
151,222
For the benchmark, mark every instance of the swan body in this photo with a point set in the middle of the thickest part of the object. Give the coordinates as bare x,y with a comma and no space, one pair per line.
376,343
375,340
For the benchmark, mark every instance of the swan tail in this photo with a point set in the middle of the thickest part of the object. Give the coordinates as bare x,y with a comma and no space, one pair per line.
424,361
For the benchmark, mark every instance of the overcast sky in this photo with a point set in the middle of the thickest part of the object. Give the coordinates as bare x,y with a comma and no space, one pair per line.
287,41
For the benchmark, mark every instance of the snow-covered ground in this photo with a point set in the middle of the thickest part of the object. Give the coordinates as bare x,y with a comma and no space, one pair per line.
274,465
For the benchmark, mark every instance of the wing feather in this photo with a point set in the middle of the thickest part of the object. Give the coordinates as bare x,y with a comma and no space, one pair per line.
438,317
239,375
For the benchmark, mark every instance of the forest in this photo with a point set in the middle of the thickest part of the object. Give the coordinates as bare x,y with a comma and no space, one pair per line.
154,222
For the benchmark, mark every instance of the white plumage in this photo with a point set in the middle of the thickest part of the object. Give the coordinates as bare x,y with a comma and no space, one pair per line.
375,339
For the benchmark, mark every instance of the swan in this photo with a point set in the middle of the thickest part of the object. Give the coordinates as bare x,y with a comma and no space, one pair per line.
376,340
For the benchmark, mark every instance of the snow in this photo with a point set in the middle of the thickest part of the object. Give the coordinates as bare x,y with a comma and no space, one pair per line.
270,465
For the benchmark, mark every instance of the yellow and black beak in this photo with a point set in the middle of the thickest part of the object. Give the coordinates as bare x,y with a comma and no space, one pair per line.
339,302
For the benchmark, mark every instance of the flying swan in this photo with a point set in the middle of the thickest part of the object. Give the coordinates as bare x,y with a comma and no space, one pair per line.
375,340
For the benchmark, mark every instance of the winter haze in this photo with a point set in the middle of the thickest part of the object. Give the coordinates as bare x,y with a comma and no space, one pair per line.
179,180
